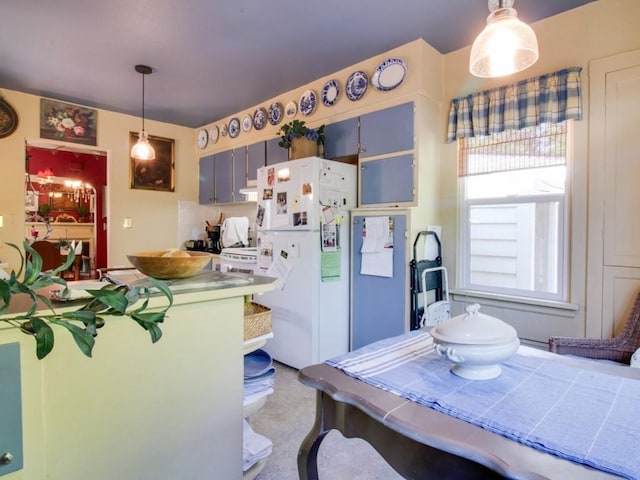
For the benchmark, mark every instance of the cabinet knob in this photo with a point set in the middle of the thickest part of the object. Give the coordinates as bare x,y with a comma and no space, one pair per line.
6,458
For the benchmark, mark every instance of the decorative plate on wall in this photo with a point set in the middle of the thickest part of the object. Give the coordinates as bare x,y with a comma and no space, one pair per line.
214,134
247,123
357,84
389,74
8,118
330,93
308,102
291,109
224,130
275,113
234,127
259,118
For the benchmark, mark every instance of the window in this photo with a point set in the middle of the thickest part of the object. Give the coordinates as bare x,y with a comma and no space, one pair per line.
514,212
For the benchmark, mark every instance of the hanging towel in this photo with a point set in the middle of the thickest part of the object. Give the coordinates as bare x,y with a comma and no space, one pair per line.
235,232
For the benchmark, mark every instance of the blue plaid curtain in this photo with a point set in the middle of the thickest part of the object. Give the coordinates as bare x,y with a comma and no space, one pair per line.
551,98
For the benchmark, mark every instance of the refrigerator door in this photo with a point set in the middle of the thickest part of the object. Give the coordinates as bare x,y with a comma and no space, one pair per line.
310,318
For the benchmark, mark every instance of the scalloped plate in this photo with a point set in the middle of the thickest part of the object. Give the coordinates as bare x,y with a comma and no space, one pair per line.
389,74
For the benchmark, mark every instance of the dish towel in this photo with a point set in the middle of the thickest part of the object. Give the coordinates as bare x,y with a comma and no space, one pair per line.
255,447
235,232
573,412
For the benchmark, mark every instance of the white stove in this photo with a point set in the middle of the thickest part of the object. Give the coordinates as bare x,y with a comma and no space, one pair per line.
239,259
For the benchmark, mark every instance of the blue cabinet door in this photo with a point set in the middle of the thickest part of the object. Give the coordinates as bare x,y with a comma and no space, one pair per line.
378,304
205,180
275,153
223,177
387,180
11,408
386,131
341,138
256,158
239,172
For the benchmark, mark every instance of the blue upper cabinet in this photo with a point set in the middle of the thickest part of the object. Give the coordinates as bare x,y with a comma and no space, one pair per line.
223,177
239,172
387,181
205,180
275,153
256,158
341,138
386,131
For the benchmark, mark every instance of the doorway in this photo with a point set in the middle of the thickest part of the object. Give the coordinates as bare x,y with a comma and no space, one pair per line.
66,197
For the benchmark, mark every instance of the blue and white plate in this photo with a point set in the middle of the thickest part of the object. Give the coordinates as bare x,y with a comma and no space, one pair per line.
259,118
224,130
275,113
247,123
234,127
389,74
308,102
291,109
330,93
357,85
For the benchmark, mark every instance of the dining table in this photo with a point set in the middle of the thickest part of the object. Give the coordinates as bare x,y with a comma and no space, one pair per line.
423,442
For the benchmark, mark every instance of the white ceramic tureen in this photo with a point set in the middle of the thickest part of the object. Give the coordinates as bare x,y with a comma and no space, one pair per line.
476,343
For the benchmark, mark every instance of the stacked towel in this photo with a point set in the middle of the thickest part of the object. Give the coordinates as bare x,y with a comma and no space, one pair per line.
255,447
235,232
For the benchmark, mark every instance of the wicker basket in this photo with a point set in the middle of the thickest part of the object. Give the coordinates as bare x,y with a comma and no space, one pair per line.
257,320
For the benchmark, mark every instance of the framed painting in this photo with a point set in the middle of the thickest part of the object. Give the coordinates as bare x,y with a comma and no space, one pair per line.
8,118
155,174
67,122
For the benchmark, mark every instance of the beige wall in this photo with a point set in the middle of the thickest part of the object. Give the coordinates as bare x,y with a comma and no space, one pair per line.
154,214
597,30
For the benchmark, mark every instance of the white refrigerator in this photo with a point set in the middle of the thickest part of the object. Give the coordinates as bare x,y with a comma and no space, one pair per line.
302,224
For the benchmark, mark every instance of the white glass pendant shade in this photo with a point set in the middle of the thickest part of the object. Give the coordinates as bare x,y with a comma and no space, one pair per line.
143,150
505,46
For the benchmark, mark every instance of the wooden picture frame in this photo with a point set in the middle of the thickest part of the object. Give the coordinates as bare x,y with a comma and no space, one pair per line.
158,174
68,123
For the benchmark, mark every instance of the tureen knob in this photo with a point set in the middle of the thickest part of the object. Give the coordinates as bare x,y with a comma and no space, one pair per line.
472,309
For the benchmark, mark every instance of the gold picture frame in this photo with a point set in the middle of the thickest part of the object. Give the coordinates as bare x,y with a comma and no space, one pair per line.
158,174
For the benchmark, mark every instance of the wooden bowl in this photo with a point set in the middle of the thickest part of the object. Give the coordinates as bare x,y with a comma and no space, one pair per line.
155,265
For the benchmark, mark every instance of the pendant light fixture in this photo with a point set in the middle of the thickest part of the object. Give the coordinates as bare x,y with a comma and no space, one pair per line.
143,150
505,46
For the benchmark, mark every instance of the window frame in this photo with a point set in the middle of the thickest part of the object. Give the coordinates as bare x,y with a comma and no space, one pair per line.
563,261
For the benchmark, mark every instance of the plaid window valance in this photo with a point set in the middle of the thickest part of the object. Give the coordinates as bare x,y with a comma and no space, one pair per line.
551,98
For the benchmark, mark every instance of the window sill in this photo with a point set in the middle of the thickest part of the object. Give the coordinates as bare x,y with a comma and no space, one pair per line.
537,302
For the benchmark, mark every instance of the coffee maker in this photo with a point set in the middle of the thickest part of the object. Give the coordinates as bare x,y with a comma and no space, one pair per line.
213,239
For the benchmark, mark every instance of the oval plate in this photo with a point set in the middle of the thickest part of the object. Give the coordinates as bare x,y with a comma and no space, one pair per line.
259,118
247,123
234,127
330,93
308,102
275,113
291,109
214,134
357,85
8,118
389,74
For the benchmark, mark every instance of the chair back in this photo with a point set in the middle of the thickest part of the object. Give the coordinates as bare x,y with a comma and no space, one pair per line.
50,253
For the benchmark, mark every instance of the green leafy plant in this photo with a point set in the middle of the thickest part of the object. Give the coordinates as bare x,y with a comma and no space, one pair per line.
82,323
44,209
298,129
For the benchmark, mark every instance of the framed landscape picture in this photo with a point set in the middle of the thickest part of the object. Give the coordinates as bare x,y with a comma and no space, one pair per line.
67,122
155,174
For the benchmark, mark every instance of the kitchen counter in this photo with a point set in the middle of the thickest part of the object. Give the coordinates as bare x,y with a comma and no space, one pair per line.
138,410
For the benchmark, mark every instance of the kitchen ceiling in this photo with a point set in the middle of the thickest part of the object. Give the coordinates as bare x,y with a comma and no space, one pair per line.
213,58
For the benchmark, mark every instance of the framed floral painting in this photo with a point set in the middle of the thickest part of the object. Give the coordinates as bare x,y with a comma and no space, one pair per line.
67,122
157,174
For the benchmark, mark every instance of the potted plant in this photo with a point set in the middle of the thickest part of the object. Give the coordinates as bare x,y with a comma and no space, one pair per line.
44,210
301,140
82,323
83,211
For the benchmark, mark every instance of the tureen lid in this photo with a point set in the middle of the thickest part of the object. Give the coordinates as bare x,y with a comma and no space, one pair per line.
474,328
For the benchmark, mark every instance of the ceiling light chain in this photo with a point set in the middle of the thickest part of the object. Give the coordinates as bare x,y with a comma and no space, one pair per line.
143,150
